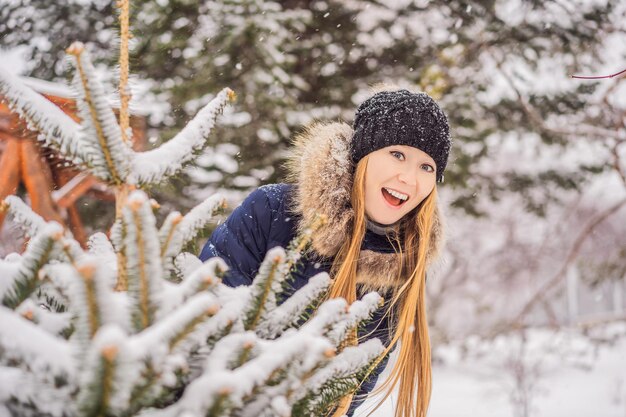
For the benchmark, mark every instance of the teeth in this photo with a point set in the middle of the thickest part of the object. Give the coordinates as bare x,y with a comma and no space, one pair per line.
397,194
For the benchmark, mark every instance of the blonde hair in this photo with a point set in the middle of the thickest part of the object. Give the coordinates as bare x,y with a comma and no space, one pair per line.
413,365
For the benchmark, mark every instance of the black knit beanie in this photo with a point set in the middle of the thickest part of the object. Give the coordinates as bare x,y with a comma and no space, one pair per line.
401,118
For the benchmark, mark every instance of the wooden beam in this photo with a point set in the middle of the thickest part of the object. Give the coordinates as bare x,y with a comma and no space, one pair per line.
9,171
38,181
73,189
76,226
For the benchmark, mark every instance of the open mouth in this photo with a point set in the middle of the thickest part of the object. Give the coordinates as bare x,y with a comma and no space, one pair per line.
394,198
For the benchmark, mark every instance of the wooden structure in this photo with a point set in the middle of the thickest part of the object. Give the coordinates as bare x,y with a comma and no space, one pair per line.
53,185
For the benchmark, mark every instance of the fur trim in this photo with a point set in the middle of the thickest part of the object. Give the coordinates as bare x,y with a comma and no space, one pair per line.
320,167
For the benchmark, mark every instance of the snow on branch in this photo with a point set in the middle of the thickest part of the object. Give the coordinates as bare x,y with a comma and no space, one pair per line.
29,221
326,316
32,224
99,245
226,390
231,352
177,231
184,265
273,274
296,308
143,259
55,128
24,281
310,354
187,326
167,238
101,132
265,287
205,278
90,294
342,375
199,217
360,311
109,373
158,164
26,394
54,323
23,342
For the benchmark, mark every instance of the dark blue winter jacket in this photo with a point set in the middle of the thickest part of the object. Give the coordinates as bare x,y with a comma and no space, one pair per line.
272,215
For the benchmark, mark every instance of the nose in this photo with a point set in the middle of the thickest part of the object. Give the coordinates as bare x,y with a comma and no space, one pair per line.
409,176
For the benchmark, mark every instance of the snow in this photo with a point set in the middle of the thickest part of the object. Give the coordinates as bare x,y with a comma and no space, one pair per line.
49,88
570,375
266,286
185,263
203,278
100,246
101,133
351,359
53,323
327,315
143,256
26,344
157,164
289,312
359,311
110,344
227,350
199,217
28,389
55,127
161,338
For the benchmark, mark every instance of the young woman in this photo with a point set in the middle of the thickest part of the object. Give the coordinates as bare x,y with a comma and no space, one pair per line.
376,183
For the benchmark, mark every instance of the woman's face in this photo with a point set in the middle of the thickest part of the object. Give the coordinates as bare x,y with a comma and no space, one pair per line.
397,179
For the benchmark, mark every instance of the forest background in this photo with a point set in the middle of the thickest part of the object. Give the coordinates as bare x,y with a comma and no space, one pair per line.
535,188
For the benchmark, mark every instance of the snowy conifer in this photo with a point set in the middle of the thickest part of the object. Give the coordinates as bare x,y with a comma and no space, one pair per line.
175,341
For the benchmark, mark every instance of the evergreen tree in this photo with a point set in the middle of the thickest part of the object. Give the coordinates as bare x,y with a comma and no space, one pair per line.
136,326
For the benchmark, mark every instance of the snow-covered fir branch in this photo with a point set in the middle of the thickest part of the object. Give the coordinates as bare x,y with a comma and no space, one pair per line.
177,230
91,299
55,128
26,346
123,368
29,221
343,374
56,323
102,133
32,224
266,287
156,165
108,374
143,257
204,278
21,284
296,308
96,143
359,312
184,264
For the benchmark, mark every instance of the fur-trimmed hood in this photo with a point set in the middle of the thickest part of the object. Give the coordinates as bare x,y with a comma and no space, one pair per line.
322,171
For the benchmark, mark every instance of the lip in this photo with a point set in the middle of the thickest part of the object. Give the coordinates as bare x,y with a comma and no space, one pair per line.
389,204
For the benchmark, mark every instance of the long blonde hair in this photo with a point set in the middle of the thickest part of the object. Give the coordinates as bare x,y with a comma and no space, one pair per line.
413,365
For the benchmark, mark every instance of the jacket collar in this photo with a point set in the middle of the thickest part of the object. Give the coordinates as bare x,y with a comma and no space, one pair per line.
321,169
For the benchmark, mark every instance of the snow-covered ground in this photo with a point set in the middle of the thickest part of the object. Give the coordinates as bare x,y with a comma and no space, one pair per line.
551,374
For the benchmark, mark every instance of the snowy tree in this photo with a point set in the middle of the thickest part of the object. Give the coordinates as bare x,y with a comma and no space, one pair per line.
294,61
136,326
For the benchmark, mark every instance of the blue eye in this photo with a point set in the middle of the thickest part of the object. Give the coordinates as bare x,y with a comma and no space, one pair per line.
428,168
398,155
